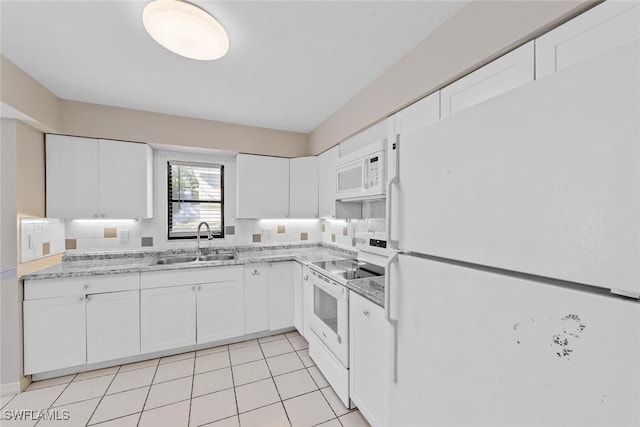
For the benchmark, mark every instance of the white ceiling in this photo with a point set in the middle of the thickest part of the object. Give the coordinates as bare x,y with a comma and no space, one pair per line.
290,65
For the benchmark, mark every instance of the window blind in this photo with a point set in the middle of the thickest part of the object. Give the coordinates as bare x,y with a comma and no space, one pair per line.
196,194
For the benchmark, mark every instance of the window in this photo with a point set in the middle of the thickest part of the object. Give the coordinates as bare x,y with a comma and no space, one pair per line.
196,193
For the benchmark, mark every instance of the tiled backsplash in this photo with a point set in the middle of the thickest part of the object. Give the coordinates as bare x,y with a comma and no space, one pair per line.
93,235
40,237
117,235
106,235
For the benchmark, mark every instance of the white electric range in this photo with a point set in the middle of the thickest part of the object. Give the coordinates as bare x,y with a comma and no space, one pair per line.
329,321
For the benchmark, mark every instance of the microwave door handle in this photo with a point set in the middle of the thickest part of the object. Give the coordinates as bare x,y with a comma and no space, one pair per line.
365,174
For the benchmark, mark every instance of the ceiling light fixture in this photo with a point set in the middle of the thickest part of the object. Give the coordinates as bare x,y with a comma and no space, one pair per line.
185,29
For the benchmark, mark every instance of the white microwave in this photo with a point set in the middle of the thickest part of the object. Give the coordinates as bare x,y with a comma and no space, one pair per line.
361,175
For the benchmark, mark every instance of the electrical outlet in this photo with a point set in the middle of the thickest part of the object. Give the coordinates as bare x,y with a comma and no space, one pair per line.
123,235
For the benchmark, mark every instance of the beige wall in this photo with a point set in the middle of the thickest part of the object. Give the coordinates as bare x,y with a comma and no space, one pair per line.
133,125
30,187
479,33
26,99
10,292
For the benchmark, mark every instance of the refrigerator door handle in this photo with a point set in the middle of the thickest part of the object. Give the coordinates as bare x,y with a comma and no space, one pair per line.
392,180
387,287
387,314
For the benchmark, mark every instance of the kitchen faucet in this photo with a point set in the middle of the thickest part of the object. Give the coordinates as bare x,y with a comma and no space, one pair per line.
209,237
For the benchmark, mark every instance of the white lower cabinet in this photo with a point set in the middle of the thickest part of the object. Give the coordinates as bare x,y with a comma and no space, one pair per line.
220,311
256,298
298,306
369,365
113,325
54,334
73,321
307,301
281,295
167,318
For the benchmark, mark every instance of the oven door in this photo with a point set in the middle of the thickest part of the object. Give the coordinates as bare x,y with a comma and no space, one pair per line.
329,320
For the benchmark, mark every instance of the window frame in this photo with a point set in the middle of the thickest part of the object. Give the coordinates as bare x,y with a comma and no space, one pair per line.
170,200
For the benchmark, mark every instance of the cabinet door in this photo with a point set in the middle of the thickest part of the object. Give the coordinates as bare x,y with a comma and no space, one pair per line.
307,301
72,176
298,307
167,318
502,75
256,298
113,325
54,334
126,173
368,364
262,187
413,117
281,295
220,311
303,187
596,31
327,182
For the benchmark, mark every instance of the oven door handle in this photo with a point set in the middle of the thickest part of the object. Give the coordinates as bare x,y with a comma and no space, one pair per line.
334,289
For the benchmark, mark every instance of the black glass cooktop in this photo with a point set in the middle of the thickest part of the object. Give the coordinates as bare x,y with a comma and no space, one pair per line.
350,269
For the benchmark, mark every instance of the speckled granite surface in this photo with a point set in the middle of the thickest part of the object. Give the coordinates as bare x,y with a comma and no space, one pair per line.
99,263
372,288
102,263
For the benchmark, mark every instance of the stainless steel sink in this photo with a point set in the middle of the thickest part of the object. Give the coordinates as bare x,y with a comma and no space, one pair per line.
216,257
178,259
174,259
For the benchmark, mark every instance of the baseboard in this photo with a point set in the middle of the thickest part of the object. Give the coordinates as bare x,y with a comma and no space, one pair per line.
15,387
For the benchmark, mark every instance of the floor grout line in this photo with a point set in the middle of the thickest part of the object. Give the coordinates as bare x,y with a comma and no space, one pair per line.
264,359
276,387
103,395
148,393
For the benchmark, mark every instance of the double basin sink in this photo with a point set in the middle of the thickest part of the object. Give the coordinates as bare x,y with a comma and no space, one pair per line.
179,259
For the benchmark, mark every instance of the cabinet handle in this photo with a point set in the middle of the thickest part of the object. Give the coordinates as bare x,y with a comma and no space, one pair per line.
199,288
102,215
365,312
306,277
255,273
95,215
193,288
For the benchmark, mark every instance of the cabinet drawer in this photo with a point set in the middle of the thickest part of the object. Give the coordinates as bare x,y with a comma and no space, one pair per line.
160,279
79,286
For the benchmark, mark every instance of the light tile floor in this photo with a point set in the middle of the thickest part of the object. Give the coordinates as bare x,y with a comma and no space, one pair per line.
268,382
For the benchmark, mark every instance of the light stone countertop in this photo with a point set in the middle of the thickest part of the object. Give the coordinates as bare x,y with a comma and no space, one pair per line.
371,288
104,263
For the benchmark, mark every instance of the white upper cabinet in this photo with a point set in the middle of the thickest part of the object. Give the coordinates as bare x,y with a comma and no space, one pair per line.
327,182
72,177
417,115
303,187
126,180
596,31
502,75
92,178
413,117
262,187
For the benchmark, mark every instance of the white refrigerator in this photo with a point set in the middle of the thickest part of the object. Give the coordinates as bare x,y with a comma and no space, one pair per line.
517,227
